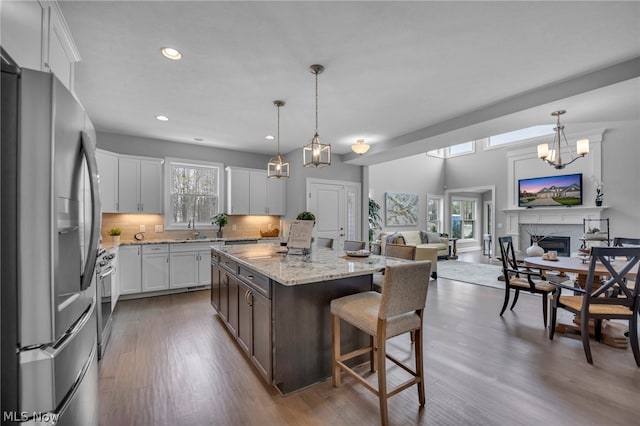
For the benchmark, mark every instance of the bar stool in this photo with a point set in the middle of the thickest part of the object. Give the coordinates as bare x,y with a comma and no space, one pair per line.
399,309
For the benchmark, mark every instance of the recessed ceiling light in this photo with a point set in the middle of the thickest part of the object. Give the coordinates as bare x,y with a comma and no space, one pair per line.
162,118
198,139
171,53
269,137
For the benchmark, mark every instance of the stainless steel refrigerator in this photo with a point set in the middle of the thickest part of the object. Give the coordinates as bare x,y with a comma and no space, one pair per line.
50,225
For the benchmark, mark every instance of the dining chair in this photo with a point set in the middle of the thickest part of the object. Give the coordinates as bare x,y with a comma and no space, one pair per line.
521,278
626,242
398,251
399,309
604,299
354,245
325,242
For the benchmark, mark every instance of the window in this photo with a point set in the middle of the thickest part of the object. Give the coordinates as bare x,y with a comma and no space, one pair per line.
192,193
462,149
463,218
434,213
520,135
454,150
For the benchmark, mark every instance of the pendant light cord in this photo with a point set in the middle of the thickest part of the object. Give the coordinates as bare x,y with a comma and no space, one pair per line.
316,102
278,130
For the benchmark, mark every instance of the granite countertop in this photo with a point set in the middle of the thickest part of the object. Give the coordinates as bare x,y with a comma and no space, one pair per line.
185,240
323,264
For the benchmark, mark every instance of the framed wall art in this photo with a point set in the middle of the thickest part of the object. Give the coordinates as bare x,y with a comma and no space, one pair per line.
401,209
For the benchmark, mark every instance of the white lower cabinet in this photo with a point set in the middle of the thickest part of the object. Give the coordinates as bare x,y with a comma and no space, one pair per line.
190,265
155,267
130,264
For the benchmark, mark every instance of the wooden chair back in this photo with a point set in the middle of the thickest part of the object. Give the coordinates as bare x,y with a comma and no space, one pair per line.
613,290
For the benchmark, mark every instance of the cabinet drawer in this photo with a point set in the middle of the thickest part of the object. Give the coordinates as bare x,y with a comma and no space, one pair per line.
182,247
155,248
215,257
257,281
228,264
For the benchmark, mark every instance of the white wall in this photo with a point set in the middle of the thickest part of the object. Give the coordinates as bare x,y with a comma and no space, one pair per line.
418,174
620,170
296,185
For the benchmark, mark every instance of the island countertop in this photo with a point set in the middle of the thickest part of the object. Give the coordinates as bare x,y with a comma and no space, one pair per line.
288,269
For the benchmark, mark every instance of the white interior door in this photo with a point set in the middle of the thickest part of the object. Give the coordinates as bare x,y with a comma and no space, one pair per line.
336,207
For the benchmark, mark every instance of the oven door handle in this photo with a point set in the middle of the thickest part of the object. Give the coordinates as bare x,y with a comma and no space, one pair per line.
106,272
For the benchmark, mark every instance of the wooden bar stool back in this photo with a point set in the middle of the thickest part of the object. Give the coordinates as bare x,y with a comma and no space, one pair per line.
399,309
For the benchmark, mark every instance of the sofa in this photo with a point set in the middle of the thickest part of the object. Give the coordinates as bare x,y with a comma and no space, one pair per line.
420,239
424,251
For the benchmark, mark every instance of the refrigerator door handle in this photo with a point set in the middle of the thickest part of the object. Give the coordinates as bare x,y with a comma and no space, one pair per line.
92,254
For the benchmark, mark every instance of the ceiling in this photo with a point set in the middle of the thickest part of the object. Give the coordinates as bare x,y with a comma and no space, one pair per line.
405,76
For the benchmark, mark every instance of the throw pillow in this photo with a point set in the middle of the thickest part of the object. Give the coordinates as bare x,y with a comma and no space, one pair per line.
395,238
424,236
433,237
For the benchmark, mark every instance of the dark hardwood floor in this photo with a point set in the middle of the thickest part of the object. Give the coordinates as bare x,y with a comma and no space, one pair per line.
170,361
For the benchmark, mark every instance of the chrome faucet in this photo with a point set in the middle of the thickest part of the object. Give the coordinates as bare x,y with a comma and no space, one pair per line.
192,225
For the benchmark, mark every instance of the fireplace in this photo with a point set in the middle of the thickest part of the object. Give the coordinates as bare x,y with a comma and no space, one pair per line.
560,244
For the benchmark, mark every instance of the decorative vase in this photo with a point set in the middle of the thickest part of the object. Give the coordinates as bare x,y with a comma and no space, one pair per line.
535,250
598,203
115,239
219,233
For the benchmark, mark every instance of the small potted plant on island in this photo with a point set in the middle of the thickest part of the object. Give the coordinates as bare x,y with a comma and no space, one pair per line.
221,220
115,234
307,216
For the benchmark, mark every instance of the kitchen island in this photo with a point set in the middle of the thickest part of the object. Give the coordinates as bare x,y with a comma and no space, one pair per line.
276,306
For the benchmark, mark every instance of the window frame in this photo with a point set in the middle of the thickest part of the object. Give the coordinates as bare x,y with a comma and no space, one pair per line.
440,212
473,220
169,163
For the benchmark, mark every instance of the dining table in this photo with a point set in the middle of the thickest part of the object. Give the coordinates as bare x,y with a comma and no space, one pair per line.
612,332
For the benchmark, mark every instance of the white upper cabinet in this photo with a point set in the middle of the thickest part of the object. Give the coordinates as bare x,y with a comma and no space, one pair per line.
130,184
36,36
140,185
266,195
108,171
250,192
238,183
151,197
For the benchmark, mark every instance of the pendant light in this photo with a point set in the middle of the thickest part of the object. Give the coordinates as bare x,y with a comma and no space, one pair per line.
316,154
278,167
553,156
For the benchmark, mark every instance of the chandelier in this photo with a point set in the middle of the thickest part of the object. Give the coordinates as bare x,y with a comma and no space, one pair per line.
553,156
316,154
360,147
278,167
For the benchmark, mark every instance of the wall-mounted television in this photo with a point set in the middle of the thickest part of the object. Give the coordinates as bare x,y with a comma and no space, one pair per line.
565,190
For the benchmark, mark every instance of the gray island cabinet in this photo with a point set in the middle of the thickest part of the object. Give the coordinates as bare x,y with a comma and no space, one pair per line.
276,307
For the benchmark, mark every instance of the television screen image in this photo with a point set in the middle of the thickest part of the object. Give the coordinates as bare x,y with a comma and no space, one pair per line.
565,190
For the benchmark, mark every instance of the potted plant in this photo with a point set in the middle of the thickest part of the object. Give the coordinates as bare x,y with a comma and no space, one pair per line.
599,195
306,216
115,234
221,220
374,217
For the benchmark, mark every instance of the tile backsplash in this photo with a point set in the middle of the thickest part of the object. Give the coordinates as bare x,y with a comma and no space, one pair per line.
245,226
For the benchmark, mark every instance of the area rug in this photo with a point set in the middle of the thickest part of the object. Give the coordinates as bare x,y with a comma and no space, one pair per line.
473,273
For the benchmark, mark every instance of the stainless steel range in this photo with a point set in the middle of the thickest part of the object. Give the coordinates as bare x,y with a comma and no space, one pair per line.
104,290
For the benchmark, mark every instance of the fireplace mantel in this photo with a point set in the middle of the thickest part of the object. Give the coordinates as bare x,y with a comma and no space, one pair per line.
552,215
